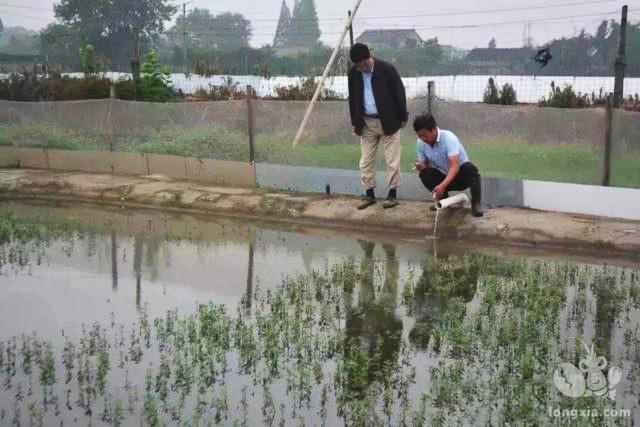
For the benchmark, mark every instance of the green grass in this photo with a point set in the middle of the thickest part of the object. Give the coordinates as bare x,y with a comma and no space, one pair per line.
507,158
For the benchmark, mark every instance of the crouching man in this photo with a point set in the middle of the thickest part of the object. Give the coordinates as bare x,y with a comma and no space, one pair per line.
443,163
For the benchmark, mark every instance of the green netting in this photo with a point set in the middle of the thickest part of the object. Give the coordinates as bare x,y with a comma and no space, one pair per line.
625,155
216,130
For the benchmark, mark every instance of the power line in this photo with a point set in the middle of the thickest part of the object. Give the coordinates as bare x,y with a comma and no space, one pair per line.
416,15
222,31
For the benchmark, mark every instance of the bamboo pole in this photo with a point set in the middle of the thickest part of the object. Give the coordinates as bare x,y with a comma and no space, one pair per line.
303,125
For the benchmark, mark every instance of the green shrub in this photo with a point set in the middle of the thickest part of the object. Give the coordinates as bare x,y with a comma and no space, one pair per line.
228,91
155,85
568,98
28,86
508,95
304,92
493,95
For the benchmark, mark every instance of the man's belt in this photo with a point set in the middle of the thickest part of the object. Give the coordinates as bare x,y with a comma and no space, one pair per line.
371,116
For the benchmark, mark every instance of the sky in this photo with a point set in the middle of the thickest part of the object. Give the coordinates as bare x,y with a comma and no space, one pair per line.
464,23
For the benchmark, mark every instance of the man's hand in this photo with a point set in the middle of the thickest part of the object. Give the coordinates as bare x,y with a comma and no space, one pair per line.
354,131
439,191
420,166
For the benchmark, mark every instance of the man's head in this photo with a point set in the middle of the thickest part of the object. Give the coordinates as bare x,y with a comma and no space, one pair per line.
361,57
426,128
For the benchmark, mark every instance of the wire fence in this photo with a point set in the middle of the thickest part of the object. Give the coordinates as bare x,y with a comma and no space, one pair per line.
463,88
521,142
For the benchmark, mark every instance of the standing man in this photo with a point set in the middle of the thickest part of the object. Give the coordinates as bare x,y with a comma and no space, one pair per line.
378,106
443,163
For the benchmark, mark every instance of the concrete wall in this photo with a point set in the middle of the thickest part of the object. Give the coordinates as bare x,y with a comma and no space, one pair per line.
611,202
582,199
216,172
549,196
8,157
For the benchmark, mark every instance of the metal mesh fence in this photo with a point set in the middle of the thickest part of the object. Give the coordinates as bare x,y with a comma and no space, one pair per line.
625,143
521,142
216,130
529,142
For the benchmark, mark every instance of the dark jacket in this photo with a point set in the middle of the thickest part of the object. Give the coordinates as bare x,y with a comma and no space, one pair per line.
388,90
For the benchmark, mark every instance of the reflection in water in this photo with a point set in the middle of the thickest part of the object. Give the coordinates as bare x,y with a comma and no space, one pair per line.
480,332
249,294
372,326
114,260
443,285
138,247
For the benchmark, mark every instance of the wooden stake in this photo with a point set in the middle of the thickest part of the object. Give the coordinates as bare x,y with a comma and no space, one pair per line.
303,125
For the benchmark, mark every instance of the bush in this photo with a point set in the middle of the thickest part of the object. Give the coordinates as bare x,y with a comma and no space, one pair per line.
155,85
28,86
304,92
228,91
508,95
632,103
125,89
491,93
495,96
568,98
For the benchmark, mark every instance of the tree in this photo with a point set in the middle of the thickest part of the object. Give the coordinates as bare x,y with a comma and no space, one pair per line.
492,43
233,31
304,30
60,44
156,83
227,31
280,39
1,26
117,28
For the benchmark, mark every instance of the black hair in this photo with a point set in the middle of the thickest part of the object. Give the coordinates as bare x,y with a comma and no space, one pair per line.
424,121
359,52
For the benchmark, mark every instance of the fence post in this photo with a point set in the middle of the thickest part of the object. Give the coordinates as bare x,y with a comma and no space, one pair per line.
350,31
112,96
251,125
431,93
618,91
606,164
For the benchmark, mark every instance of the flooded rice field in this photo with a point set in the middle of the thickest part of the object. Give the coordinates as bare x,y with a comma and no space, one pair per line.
111,317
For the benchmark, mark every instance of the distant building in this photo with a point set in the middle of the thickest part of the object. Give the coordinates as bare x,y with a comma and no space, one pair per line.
500,61
391,39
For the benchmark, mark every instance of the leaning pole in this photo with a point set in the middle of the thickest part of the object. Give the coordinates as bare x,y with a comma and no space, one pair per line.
303,125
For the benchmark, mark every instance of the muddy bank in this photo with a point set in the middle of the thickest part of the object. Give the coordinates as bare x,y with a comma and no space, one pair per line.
411,220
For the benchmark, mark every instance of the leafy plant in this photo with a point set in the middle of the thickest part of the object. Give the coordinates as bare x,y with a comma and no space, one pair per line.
155,84
304,92
568,98
494,95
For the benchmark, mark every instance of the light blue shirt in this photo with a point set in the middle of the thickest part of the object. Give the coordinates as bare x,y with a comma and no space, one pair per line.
447,145
370,107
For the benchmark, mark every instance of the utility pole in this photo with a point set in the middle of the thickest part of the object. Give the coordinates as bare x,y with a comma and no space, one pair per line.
618,91
350,30
184,35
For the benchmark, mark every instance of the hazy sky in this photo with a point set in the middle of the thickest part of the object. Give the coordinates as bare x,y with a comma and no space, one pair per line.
464,23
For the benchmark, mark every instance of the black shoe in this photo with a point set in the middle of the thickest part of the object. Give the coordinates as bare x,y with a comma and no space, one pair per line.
391,202
392,199
368,199
476,210
366,202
